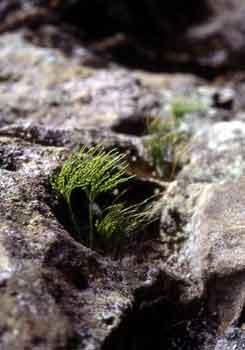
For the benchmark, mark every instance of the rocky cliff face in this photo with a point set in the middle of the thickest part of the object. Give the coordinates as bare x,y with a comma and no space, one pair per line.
181,286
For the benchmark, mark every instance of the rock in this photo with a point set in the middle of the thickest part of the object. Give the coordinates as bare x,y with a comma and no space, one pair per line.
60,93
215,249
29,315
226,24
233,338
224,99
178,206
202,232
85,294
216,155
30,232
179,285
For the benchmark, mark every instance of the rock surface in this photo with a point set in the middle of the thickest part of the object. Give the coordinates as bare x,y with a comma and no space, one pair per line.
89,294
216,155
233,339
216,248
44,86
183,286
30,318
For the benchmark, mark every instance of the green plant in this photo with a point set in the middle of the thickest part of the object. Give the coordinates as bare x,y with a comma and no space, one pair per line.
182,105
121,221
94,171
163,143
167,142
97,172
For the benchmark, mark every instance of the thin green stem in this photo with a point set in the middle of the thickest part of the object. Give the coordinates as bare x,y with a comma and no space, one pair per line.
91,228
74,220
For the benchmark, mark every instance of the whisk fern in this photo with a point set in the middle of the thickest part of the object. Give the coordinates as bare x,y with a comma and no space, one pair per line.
96,172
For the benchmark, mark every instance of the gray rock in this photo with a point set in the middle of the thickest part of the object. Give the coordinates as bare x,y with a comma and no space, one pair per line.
215,249
29,315
217,154
178,206
43,86
233,339
189,277
60,281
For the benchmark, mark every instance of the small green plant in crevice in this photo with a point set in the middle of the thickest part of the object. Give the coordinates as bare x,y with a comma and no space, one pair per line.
181,105
120,222
165,143
97,172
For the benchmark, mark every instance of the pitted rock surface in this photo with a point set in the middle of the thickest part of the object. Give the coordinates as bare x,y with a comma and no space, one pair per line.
84,293
44,86
61,88
216,154
216,248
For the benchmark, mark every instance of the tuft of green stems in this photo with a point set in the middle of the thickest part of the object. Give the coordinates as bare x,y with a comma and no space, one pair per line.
96,172
162,143
121,221
166,142
183,105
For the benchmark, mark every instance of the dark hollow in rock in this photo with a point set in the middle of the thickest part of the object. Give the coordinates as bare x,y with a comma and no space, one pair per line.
136,191
9,156
118,16
138,33
204,37
136,126
128,16
241,321
65,256
164,323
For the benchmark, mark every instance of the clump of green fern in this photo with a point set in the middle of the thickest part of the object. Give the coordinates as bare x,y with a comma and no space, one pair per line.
167,142
182,105
122,219
165,137
96,172
120,222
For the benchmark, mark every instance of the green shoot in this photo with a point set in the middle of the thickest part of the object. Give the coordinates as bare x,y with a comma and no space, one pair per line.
166,141
162,143
183,105
122,219
94,171
120,222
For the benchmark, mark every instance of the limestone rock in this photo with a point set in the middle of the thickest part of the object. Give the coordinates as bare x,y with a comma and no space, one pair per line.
29,315
43,86
233,339
216,248
217,154
47,277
